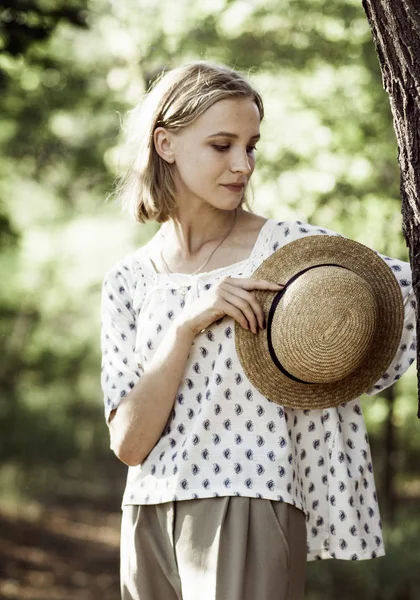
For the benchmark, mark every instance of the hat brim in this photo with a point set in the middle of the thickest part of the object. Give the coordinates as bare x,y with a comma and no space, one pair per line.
279,267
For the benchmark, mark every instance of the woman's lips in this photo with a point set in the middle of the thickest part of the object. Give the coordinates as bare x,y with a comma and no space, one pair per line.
234,188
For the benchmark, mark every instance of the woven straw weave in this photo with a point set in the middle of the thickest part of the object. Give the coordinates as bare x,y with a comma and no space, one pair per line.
336,328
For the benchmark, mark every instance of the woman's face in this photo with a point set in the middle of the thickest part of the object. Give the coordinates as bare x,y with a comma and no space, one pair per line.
214,157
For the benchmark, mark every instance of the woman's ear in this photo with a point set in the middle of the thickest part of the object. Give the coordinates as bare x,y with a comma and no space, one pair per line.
163,144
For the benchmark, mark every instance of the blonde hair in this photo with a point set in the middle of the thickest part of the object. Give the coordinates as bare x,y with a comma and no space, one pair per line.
174,101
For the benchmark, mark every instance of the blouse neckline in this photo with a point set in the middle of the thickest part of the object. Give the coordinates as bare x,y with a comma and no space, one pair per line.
191,276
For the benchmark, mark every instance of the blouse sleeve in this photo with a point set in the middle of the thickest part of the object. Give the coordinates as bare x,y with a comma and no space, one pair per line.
406,353
286,232
119,370
289,231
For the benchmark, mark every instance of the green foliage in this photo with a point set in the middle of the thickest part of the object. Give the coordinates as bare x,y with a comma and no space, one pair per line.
394,577
68,71
26,22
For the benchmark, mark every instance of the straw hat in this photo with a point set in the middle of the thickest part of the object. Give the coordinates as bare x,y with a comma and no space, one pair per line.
332,331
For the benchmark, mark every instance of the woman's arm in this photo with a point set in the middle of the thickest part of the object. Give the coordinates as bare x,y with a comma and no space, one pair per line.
138,405
137,424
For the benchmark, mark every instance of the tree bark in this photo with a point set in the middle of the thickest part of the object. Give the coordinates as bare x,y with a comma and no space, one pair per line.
395,26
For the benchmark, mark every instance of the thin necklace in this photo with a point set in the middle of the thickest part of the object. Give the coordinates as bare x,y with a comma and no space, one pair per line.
204,264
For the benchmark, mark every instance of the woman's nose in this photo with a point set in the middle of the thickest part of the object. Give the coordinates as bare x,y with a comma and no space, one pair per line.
241,163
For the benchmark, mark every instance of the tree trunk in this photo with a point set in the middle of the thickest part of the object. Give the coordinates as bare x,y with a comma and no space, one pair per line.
395,26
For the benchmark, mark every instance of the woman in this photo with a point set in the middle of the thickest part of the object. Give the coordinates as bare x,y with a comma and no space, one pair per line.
218,502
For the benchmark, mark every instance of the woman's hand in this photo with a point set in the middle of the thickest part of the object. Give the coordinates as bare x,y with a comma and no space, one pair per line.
233,297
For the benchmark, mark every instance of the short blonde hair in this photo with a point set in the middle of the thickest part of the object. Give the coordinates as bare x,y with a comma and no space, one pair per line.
174,101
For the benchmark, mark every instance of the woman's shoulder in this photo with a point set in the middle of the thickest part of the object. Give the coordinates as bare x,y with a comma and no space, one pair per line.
252,222
270,234
130,268
287,231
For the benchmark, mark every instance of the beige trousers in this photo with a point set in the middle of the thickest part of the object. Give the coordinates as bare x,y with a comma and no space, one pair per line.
226,548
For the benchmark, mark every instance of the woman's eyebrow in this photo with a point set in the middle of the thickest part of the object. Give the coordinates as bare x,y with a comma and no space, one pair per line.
232,135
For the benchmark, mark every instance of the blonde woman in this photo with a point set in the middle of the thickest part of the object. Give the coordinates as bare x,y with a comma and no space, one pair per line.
218,504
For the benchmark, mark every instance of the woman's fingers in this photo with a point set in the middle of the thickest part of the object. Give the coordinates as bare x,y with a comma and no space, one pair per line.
236,292
234,312
248,300
244,307
253,284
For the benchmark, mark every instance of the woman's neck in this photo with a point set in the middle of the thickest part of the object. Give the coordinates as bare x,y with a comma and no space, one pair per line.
191,234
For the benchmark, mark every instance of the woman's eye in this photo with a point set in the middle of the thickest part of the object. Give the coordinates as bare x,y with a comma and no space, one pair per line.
224,148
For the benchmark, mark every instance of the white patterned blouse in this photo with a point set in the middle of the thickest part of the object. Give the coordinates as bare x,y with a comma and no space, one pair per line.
224,438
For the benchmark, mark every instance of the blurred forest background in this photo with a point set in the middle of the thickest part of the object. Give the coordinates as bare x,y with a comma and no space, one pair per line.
69,70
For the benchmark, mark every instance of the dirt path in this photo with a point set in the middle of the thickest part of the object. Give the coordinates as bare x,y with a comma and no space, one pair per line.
59,554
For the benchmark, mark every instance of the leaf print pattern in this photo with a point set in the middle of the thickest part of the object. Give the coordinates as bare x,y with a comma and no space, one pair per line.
223,436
